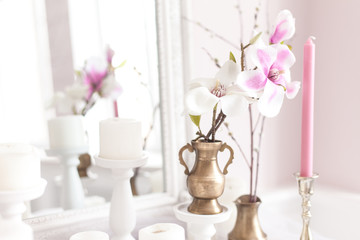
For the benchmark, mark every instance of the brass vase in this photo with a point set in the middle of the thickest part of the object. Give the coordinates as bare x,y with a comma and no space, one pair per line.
247,226
206,181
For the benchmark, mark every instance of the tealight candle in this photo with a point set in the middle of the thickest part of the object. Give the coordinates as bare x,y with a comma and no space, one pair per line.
162,231
90,235
120,139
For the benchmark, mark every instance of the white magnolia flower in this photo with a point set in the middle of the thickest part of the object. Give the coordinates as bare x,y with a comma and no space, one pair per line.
77,91
111,88
205,93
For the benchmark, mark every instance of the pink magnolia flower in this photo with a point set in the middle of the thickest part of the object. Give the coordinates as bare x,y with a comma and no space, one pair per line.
95,71
272,76
205,93
284,28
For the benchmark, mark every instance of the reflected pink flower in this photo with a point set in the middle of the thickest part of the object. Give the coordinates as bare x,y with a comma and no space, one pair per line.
95,71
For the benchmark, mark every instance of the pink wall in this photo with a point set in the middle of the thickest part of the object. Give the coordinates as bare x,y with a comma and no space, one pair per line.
337,119
336,131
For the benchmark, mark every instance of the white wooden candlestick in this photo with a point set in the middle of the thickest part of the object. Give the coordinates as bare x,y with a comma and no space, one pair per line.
72,192
200,227
11,208
122,211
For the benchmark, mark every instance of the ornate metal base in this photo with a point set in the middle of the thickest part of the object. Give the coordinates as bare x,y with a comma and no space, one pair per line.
205,206
306,189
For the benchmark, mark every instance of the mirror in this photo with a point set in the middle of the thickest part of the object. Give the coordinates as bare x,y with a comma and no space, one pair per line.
48,40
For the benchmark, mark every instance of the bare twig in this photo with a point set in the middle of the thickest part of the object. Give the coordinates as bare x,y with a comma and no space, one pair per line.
258,155
257,9
215,60
151,125
212,32
251,155
238,7
237,143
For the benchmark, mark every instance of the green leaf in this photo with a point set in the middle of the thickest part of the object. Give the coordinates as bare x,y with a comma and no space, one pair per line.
121,64
195,119
232,57
254,39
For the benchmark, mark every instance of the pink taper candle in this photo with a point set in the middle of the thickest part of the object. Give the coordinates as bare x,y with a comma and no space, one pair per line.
307,110
116,111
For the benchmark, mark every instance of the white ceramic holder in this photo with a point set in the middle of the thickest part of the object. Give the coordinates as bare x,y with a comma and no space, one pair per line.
122,211
72,192
11,209
200,227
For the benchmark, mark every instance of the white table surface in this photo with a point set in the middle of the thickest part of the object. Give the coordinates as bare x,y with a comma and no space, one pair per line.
276,227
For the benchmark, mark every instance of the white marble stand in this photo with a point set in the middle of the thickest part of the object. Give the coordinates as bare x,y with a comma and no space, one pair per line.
11,209
72,192
200,227
122,211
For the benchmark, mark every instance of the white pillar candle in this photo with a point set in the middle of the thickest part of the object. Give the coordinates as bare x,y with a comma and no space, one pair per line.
90,235
120,139
67,132
162,231
19,167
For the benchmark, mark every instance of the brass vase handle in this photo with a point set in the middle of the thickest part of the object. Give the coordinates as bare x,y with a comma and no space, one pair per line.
182,162
225,171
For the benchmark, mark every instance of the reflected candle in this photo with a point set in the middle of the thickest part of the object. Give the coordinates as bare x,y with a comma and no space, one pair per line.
307,110
162,231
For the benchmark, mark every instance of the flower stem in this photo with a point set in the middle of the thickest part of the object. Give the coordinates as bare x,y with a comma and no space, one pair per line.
213,124
242,57
219,120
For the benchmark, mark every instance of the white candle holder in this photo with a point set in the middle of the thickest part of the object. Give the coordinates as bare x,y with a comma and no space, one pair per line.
200,227
72,192
122,211
12,207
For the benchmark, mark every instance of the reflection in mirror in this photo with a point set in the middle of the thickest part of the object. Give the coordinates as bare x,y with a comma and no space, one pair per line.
128,29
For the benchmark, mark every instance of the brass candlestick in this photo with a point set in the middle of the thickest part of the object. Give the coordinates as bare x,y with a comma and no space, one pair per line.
306,189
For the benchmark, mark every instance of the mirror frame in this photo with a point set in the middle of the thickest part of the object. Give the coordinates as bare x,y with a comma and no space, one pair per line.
169,42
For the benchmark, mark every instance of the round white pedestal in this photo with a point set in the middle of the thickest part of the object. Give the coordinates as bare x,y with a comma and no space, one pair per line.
200,227
11,208
72,192
122,211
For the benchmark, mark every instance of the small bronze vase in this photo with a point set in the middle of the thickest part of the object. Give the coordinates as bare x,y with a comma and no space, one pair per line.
206,181
247,226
